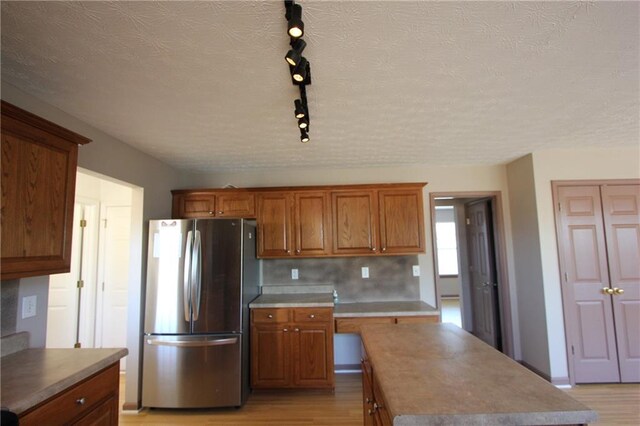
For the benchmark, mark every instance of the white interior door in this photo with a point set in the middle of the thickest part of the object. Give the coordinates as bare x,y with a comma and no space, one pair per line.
62,310
115,275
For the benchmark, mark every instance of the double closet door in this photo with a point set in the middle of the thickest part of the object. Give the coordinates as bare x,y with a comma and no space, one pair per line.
598,228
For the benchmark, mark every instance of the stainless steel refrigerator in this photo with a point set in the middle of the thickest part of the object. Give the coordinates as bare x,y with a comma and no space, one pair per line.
201,276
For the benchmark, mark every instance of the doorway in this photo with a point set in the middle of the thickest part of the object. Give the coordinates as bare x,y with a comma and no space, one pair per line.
88,306
470,265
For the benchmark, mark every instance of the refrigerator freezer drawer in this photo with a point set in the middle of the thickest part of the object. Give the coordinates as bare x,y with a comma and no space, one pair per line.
192,371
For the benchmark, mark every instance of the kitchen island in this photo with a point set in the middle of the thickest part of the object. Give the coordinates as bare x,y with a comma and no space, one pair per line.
438,374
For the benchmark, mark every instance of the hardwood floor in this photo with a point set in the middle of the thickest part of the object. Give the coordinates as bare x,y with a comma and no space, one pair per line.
615,404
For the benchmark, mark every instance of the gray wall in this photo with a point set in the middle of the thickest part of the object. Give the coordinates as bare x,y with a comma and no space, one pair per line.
526,249
390,277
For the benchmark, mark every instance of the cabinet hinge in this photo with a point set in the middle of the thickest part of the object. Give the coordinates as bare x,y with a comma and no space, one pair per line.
80,284
468,221
105,223
573,351
566,277
83,223
559,206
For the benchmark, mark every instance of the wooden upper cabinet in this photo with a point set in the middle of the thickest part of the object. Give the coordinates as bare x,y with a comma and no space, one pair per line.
312,223
39,161
209,203
274,224
355,217
236,204
194,205
401,221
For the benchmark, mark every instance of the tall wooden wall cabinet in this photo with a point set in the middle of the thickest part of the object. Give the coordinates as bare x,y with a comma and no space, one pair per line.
39,160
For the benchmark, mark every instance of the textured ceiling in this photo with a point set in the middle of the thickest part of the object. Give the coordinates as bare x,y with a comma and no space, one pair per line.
204,86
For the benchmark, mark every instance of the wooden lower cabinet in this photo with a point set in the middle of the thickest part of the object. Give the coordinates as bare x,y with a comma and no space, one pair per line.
93,401
292,348
353,324
374,406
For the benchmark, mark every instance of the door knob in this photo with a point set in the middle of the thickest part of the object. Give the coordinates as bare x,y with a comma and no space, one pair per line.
607,290
617,290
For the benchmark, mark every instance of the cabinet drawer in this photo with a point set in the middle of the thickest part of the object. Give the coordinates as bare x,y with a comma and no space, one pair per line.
77,401
312,314
270,316
418,319
352,325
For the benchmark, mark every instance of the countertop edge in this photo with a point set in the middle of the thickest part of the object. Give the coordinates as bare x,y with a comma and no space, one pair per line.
547,418
385,314
43,395
291,305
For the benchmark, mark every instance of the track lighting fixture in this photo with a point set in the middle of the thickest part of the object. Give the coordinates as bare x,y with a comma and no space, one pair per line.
300,112
301,71
294,55
295,25
298,65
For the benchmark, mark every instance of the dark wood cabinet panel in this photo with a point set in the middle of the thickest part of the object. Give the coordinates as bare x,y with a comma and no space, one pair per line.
194,205
312,222
355,218
234,204
290,353
39,161
274,224
401,221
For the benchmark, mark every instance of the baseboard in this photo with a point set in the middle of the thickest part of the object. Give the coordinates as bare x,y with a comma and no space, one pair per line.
535,370
561,382
346,368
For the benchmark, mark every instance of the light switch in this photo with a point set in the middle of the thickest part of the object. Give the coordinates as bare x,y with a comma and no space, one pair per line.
365,272
294,274
29,306
416,270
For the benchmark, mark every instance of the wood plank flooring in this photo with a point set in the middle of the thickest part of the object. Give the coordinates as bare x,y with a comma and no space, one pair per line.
615,404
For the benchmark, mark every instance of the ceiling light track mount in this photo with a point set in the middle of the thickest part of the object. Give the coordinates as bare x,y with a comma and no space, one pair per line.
299,66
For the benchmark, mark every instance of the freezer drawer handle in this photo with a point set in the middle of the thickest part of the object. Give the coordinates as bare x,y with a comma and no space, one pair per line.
184,343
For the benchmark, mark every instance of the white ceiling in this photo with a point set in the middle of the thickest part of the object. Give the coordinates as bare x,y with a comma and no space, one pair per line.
204,86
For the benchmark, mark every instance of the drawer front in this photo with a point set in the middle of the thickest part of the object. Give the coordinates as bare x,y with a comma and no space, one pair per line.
312,314
76,401
352,325
269,316
418,320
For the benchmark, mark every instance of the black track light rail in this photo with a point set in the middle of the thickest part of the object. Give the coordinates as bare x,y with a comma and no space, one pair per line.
299,66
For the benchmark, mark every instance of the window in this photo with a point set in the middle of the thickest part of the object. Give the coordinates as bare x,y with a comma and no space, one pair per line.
446,241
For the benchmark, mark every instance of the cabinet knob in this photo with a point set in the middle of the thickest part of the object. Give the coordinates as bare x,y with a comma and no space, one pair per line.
312,316
269,316
220,212
289,251
296,330
285,329
298,251
607,290
373,249
617,290
210,213
81,401
384,249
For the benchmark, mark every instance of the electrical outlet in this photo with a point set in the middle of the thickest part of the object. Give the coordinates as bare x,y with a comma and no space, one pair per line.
294,274
29,306
416,270
365,272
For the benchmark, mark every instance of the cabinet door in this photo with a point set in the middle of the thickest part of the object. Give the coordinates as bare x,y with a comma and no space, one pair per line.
194,205
401,221
367,394
312,223
355,217
39,162
270,356
313,353
105,414
274,225
236,205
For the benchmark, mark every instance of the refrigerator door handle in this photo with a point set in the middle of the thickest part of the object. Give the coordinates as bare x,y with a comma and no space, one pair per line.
193,343
196,275
186,284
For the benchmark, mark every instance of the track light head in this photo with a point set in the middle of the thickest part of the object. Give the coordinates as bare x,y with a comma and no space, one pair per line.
303,123
295,26
301,71
304,136
300,110
294,55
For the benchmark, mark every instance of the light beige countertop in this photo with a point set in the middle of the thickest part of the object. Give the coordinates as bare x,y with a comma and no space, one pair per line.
440,374
32,376
293,300
383,309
